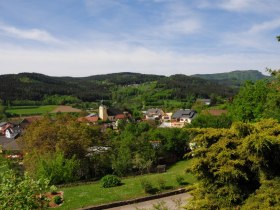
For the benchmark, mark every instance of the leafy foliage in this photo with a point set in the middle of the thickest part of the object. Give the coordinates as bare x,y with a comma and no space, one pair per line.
132,149
209,121
60,100
231,163
48,138
173,141
64,134
18,192
258,100
266,197
57,199
180,179
148,186
110,181
249,104
56,168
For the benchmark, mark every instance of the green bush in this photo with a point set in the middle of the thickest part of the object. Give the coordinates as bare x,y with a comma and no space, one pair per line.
161,183
180,179
57,200
110,181
53,189
148,186
57,168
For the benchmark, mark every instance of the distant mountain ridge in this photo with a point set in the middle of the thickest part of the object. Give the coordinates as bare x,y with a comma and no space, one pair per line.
252,75
233,79
34,86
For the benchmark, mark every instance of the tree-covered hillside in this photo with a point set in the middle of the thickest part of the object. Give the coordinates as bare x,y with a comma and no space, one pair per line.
234,78
252,75
33,86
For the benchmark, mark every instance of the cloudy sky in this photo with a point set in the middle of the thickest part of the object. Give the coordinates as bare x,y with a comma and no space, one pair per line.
89,37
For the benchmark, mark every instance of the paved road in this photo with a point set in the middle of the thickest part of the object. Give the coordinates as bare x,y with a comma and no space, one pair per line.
171,202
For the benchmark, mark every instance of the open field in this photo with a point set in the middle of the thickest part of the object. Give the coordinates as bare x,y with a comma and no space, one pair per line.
39,110
93,194
65,109
31,110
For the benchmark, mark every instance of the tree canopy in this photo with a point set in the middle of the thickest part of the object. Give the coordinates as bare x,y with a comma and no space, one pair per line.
231,164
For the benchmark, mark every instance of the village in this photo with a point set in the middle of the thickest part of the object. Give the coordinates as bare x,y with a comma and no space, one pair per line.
107,117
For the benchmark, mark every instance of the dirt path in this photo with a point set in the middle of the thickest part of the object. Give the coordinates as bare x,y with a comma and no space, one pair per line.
171,202
65,109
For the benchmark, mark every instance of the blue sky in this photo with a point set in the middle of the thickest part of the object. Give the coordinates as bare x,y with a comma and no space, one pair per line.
88,37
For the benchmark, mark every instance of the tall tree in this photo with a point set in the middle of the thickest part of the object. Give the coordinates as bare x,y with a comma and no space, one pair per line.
63,134
249,103
2,110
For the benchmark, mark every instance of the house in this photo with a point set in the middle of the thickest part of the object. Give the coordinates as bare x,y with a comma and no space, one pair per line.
10,130
167,117
154,114
203,101
91,118
182,116
10,145
2,126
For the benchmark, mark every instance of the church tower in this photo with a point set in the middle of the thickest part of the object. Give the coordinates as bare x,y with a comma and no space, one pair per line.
103,115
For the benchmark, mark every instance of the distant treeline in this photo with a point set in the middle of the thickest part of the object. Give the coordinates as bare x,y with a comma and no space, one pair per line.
35,87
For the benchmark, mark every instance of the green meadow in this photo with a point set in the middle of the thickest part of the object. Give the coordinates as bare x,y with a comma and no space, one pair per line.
30,110
93,194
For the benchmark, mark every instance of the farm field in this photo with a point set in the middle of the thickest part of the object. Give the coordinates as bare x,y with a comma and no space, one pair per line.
30,110
39,110
93,194
65,109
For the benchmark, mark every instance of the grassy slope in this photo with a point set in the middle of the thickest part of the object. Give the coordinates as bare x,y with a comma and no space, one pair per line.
31,110
94,194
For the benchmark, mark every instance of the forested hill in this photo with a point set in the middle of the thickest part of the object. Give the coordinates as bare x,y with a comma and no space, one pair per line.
252,75
33,86
234,78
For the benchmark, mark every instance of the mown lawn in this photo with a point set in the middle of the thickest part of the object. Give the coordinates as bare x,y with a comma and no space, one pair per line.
94,194
30,110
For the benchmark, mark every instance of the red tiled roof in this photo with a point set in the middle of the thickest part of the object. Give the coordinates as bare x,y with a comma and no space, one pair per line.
88,119
120,116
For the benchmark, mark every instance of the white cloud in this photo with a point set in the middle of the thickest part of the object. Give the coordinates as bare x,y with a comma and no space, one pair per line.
177,19
30,34
267,7
236,4
255,37
182,27
85,62
265,26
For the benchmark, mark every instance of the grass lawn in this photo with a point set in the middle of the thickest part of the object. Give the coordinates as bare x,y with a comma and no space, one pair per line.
31,110
94,194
